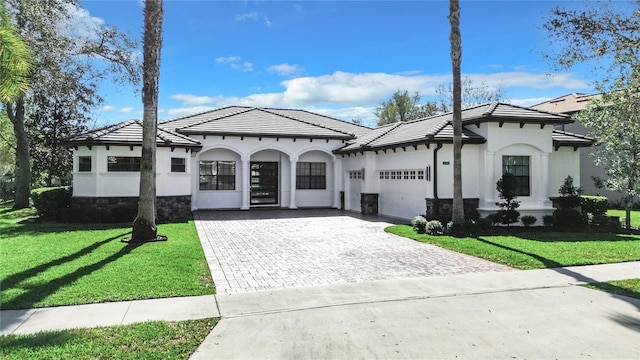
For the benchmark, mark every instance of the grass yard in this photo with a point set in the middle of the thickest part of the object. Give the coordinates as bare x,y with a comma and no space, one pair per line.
54,264
151,340
537,250
630,288
635,217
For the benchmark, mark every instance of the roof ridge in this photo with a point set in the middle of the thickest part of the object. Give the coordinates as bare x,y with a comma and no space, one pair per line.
174,133
326,116
439,128
492,107
392,127
306,122
203,121
109,129
199,113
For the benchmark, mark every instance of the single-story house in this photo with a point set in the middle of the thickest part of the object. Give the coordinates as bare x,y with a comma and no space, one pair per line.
244,157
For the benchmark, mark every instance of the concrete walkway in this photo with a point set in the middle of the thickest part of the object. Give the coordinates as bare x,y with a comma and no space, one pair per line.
282,249
513,314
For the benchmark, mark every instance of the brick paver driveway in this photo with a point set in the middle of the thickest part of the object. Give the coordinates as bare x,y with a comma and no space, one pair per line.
275,249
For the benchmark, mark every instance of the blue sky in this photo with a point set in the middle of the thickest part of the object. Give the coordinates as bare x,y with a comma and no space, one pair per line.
332,57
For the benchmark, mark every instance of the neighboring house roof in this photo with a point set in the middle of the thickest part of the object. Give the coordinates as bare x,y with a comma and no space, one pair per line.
130,133
564,138
567,104
438,129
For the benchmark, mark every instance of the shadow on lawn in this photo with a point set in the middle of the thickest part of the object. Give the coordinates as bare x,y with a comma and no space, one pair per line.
39,292
574,236
613,290
40,340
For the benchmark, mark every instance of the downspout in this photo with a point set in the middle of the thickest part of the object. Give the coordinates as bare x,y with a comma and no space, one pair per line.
435,180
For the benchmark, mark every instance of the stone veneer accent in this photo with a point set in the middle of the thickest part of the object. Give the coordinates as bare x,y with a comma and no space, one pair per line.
123,209
440,209
369,203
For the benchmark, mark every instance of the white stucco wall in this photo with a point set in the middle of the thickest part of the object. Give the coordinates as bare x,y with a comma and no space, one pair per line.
103,183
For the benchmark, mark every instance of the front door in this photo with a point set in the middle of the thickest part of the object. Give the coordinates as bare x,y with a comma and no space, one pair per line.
264,183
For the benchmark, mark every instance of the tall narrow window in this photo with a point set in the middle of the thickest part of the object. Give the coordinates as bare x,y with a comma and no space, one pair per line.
519,167
178,165
311,175
217,175
123,163
84,163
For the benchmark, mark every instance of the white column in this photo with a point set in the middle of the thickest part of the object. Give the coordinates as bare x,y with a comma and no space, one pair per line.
489,177
292,202
246,172
195,183
336,182
544,180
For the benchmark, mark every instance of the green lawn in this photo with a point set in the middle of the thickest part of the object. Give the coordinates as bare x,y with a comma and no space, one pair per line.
151,340
537,250
635,216
53,264
629,287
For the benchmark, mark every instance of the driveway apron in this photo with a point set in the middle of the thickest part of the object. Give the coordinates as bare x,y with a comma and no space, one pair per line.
277,249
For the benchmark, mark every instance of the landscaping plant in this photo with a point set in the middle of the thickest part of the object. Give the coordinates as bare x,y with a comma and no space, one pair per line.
506,187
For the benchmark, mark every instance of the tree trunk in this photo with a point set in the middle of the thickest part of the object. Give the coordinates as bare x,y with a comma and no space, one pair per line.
144,226
456,60
23,173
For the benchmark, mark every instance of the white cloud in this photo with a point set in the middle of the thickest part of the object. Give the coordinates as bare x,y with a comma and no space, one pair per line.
127,109
236,63
108,108
528,102
189,110
355,95
286,69
247,16
79,23
190,100
267,22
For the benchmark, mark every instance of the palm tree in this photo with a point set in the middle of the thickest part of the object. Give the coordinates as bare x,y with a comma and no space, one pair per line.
456,60
144,226
16,62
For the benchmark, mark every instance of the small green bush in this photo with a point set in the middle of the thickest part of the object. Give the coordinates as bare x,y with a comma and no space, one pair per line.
419,224
528,220
434,227
595,206
485,223
51,202
613,224
547,220
569,218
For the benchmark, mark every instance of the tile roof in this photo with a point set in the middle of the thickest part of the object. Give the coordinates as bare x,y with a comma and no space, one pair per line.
439,128
129,133
564,138
250,121
567,104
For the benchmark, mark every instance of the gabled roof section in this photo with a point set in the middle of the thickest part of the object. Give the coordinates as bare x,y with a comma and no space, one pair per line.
422,131
251,121
564,138
130,133
508,113
567,104
264,123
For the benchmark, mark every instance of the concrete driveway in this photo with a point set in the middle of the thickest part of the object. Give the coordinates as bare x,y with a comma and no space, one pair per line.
277,249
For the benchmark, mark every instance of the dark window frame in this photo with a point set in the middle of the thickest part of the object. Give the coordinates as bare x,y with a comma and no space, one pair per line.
222,175
123,163
311,176
84,166
520,167
178,167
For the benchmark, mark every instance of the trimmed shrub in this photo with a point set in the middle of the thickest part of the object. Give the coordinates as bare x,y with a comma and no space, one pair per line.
569,194
51,202
596,207
419,224
485,223
568,218
547,220
506,187
613,223
528,220
434,227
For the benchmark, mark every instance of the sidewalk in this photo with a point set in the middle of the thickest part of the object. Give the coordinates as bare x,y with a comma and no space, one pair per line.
187,308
